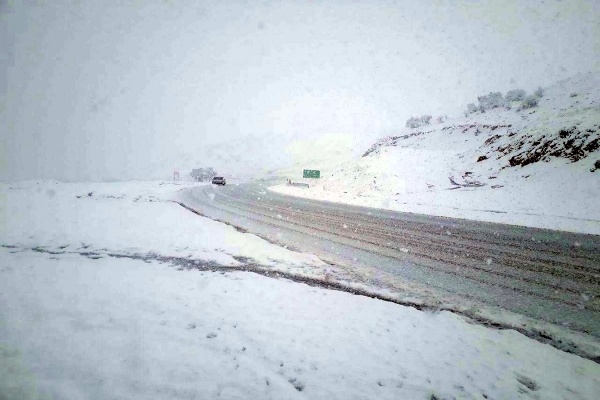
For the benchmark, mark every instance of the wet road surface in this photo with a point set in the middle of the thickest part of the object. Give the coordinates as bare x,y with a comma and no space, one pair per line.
548,275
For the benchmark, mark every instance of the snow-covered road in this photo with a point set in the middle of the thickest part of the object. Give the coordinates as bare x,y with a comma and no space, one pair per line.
549,276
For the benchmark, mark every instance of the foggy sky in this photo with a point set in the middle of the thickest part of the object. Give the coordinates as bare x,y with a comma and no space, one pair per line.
94,90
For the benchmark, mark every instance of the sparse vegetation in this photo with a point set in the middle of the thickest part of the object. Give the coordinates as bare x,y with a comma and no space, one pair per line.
496,100
416,122
491,101
203,174
515,95
529,102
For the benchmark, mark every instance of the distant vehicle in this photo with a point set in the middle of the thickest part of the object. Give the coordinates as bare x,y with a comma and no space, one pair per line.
218,180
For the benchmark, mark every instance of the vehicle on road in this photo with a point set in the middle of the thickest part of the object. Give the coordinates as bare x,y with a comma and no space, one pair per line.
218,180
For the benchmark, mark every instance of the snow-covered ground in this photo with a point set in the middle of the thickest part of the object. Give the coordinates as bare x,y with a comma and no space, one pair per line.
129,218
535,165
87,310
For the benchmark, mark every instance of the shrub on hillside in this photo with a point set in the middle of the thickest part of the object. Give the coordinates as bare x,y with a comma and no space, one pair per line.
515,95
497,100
203,174
471,108
416,122
529,102
491,100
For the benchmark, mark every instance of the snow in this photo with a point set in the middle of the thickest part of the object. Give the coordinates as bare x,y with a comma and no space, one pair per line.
130,218
119,328
414,174
325,151
82,316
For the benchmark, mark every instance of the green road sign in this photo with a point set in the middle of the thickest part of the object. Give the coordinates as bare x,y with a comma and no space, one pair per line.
311,173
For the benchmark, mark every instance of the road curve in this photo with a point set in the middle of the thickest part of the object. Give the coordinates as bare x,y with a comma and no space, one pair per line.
548,275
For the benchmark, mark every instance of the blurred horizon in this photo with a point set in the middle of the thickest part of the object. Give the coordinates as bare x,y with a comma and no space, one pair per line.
113,91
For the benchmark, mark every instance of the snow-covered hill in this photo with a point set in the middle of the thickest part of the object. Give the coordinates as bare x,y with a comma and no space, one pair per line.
533,167
324,153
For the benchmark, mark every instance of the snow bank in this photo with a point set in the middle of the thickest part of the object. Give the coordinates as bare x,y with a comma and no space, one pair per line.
531,167
74,328
127,218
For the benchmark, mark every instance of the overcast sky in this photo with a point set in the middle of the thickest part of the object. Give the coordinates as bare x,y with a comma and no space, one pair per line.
96,90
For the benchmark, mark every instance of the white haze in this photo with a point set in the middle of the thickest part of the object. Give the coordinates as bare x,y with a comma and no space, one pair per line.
134,90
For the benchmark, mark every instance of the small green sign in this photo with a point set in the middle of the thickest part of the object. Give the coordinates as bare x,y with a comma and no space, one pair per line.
311,173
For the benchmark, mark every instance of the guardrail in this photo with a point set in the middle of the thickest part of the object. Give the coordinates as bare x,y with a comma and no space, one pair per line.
298,184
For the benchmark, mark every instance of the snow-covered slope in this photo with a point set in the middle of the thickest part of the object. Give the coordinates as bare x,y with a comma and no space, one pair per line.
125,218
324,153
532,167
